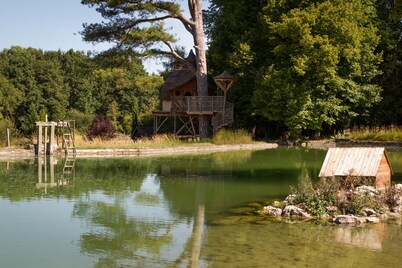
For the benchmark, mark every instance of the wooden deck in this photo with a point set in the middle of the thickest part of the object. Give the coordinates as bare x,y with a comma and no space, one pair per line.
184,111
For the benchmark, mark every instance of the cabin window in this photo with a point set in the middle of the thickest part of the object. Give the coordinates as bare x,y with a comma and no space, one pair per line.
177,93
187,94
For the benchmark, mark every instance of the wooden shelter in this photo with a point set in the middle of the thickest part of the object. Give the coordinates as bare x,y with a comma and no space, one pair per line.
358,162
181,103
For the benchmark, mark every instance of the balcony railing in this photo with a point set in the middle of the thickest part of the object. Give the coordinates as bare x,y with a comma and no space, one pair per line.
198,105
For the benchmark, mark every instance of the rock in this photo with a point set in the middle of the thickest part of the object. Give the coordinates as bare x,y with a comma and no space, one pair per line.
398,187
366,190
368,212
290,211
272,210
348,219
393,215
344,219
372,219
396,209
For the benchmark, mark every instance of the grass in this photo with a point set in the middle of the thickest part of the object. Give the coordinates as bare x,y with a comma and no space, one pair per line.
222,137
125,142
393,134
163,140
237,136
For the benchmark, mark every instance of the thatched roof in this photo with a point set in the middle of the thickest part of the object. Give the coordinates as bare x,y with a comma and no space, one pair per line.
362,162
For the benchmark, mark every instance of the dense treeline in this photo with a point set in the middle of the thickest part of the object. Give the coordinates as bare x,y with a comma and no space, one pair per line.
310,67
75,85
302,67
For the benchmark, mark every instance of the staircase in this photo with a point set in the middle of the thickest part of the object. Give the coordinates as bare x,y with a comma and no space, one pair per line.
67,129
224,118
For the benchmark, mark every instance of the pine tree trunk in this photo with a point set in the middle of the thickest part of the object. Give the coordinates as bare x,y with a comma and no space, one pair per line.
201,74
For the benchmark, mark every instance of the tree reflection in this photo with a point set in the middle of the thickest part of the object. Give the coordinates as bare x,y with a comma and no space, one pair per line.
137,230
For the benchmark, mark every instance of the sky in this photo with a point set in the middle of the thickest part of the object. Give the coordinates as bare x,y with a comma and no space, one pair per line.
56,24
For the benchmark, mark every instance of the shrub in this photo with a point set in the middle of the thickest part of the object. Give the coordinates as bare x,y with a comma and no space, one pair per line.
314,200
101,128
238,136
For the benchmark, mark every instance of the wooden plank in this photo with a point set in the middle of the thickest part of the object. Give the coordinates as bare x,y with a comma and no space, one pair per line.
325,164
341,161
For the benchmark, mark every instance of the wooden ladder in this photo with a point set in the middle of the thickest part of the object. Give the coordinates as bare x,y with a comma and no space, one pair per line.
68,138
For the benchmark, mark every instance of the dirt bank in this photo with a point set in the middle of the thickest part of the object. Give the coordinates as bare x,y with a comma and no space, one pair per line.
13,154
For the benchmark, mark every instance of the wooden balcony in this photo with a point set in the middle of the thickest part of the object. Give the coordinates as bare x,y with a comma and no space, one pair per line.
198,105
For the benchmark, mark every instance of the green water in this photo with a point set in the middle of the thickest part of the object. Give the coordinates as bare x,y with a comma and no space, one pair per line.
181,211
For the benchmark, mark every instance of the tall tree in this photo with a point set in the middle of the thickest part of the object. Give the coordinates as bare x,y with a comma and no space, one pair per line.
138,27
309,65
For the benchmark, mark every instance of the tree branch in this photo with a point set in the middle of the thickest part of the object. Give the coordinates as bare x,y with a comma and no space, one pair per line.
173,51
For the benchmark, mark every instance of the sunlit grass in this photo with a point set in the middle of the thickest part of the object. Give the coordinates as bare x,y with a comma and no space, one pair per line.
125,142
237,136
394,134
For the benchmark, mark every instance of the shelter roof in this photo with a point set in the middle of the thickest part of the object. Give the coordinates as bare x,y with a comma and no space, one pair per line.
180,77
177,78
352,161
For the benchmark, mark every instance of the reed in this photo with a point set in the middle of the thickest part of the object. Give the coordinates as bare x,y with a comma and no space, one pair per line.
237,136
393,134
125,142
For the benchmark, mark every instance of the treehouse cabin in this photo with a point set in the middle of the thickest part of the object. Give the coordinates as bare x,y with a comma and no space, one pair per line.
368,163
181,105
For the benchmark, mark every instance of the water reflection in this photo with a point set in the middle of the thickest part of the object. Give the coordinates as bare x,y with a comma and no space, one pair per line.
46,172
164,212
370,238
137,228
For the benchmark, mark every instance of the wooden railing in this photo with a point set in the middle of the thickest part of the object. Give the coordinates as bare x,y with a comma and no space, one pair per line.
222,119
204,105
198,105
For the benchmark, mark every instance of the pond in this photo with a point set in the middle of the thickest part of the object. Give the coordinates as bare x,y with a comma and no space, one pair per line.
176,211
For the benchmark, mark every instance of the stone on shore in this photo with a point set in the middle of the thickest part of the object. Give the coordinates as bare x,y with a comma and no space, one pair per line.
290,211
272,210
351,219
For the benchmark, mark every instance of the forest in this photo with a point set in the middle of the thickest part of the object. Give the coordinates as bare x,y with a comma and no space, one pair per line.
303,68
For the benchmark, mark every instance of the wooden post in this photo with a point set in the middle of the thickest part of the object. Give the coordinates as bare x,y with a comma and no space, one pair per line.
8,137
39,140
45,135
51,142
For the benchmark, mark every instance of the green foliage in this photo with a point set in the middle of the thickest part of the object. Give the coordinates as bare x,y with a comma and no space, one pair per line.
355,204
324,63
82,120
72,84
314,200
340,192
310,66
4,125
237,136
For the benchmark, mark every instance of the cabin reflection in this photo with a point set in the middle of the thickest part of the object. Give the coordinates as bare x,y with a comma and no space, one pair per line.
49,175
370,237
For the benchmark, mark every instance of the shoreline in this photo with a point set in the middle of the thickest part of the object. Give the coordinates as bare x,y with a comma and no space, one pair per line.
180,150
